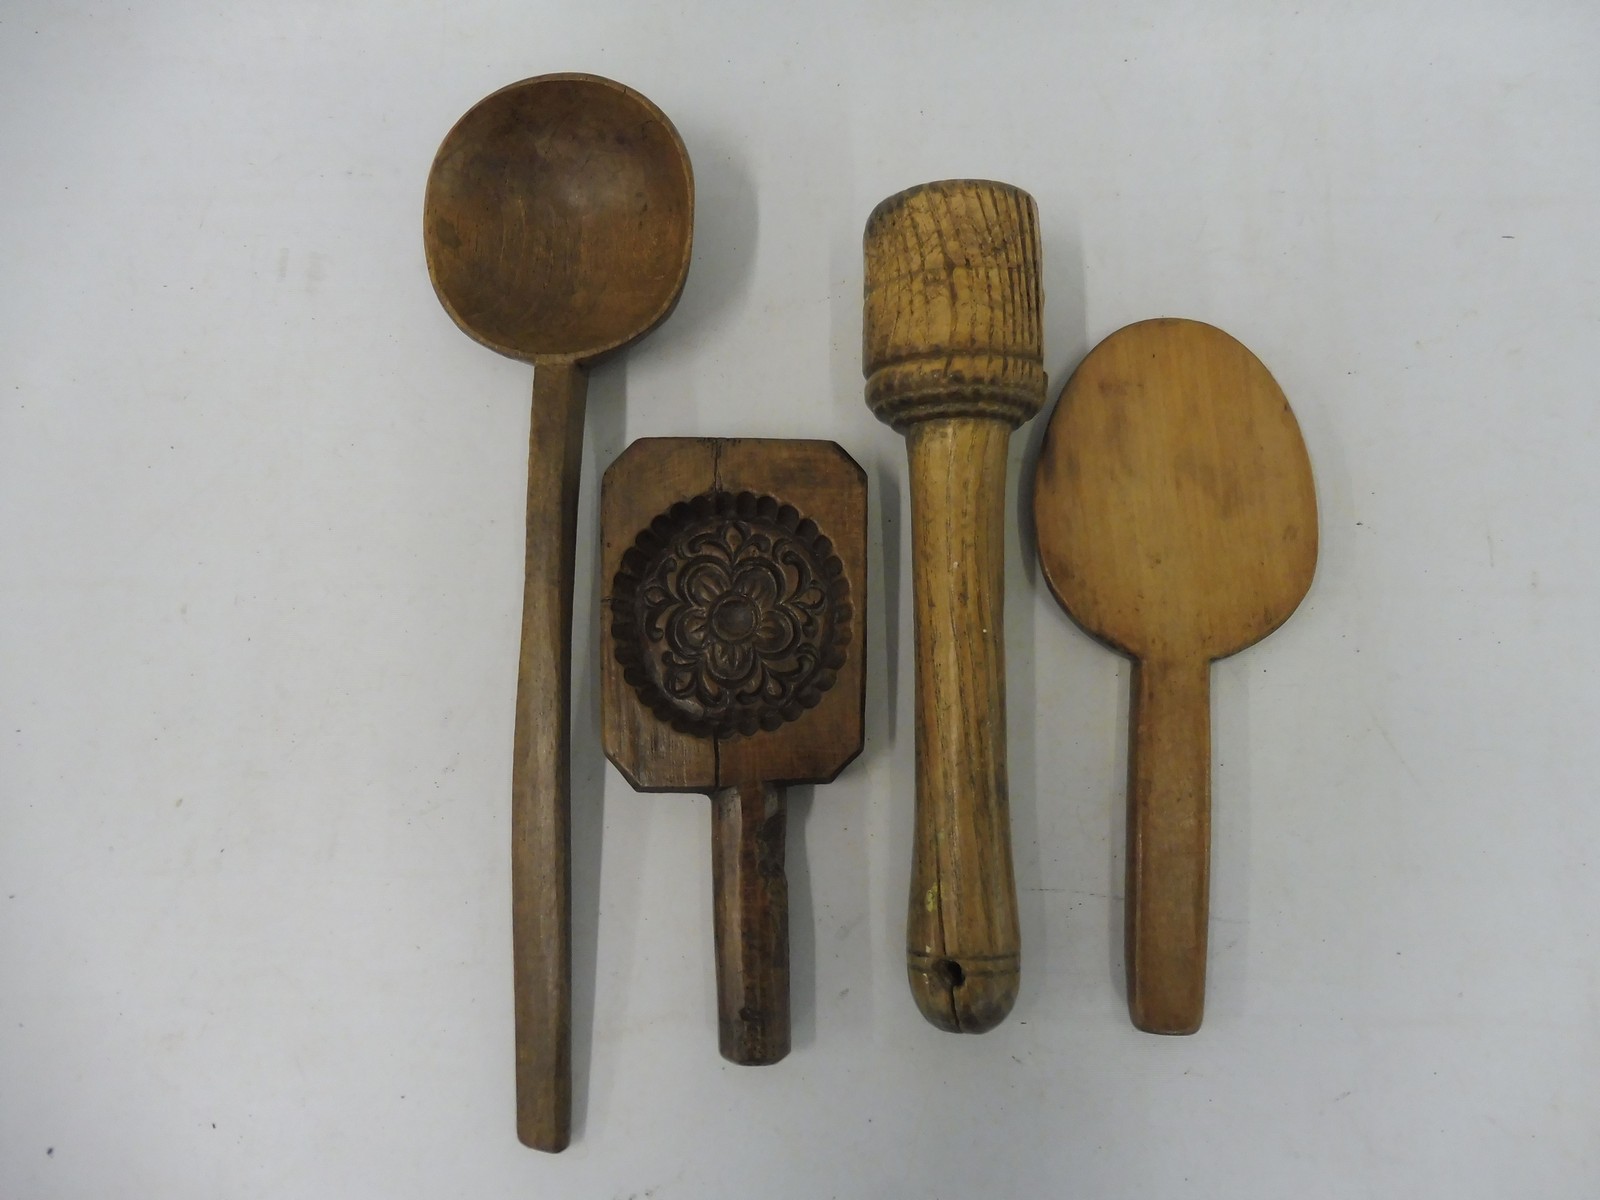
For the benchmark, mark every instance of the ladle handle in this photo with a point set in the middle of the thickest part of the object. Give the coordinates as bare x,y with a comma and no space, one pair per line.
541,882
750,893
1169,844
963,945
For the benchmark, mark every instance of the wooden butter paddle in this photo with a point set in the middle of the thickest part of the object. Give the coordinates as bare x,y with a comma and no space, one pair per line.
1177,522
736,576
557,225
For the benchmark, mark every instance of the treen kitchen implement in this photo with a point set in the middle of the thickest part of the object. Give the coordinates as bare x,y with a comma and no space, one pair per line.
952,353
1177,522
734,665
557,225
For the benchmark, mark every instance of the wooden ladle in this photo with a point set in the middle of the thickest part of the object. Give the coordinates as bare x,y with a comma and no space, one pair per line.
557,224
1176,521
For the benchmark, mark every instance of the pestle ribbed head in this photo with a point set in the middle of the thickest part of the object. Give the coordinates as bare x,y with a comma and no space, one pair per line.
953,304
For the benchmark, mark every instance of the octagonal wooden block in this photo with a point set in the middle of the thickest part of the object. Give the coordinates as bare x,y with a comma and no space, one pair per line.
784,490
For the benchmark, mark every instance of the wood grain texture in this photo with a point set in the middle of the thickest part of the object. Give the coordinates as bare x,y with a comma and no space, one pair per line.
643,482
1169,843
557,224
952,351
963,943
734,586
1177,522
541,883
750,890
558,218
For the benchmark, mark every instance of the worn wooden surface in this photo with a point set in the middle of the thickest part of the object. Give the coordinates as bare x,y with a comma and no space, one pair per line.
952,350
1177,521
541,879
557,224
736,568
750,889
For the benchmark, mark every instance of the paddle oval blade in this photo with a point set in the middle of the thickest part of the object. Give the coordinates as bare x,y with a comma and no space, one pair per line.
1173,499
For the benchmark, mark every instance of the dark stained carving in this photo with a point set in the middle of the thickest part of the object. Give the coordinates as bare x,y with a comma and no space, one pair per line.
734,666
730,614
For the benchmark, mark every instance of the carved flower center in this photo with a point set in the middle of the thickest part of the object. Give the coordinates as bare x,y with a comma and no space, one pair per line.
733,618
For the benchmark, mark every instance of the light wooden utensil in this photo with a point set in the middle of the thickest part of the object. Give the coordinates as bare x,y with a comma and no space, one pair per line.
1177,522
557,224
734,665
953,357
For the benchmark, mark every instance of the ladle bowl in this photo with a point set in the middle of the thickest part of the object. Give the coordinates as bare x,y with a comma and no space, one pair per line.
558,218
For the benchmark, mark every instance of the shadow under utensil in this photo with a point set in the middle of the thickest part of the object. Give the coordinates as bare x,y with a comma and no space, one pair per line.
1117,844
603,433
1064,318
1021,742
883,604
1065,311
726,224
718,282
1228,932
802,920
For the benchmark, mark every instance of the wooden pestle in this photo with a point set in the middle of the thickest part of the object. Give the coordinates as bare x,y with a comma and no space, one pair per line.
952,351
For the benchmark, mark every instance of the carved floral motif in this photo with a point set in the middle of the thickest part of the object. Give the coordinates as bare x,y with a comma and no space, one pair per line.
731,614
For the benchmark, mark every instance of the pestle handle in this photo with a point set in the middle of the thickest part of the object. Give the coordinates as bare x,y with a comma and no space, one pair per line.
962,940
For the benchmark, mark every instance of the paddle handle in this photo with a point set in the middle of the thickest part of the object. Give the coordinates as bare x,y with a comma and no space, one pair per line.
962,940
751,903
541,880
1169,844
